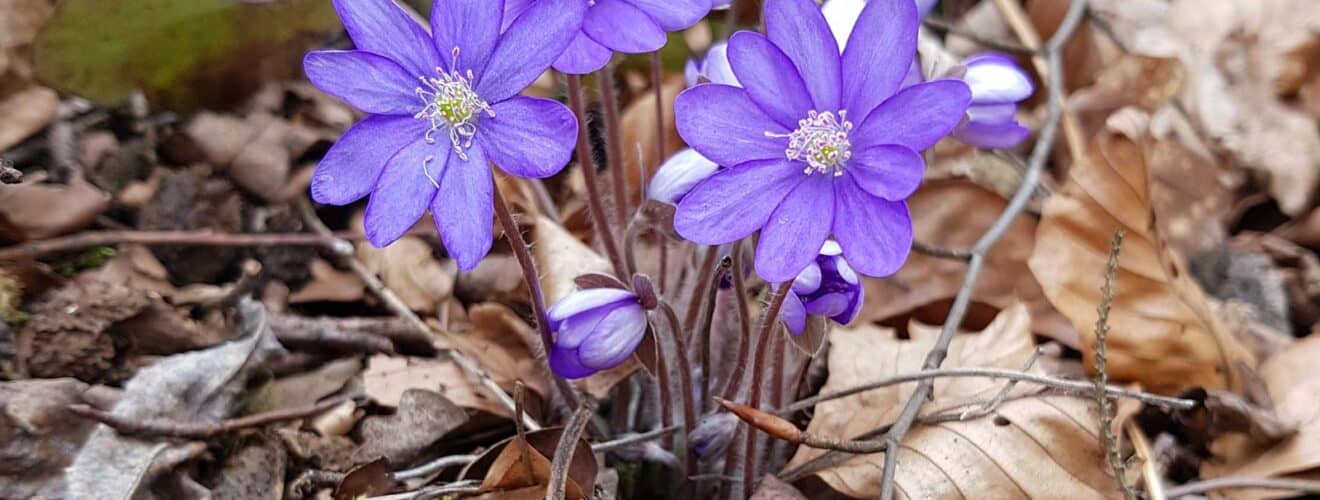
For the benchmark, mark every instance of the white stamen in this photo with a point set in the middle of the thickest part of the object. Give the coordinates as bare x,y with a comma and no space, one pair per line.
821,140
450,103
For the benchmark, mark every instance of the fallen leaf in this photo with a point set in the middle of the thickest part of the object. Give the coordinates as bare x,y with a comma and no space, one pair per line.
305,389
772,488
1160,317
26,112
423,417
503,469
67,334
561,258
195,386
953,214
409,268
255,472
502,343
863,353
329,284
1292,377
38,437
369,480
388,377
191,199
33,210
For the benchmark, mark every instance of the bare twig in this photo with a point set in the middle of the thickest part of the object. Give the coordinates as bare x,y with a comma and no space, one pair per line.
1030,178
942,25
943,253
396,332
609,446
435,491
88,239
518,390
1224,483
564,450
1018,20
1151,476
199,430
434,466
343,251
1101,379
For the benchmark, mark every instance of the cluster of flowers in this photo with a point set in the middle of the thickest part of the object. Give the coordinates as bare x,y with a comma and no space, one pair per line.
808,134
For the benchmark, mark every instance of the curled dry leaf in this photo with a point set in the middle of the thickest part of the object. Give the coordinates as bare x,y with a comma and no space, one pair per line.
865,353
503,467
1164,334
410,269
33,210
953,214
196,386
1293,379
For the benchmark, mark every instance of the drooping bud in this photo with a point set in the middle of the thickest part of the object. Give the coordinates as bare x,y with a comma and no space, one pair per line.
594,329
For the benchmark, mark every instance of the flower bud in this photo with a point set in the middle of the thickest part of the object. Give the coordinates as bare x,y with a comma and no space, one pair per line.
714,68
678,175
997,85
594,329
713,433
827,287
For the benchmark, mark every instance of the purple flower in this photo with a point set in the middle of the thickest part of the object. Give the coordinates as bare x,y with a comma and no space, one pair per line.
441,110
713,434
997,84
594,329
842,16
817,143
627,26
827,287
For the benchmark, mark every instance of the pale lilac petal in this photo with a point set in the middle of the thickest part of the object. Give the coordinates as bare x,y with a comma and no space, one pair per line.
583,300
992,135
582,56
992,113
472,26
794,314
716,66
616,337
382,27
691,73
846,271
890,171
876,235
529,136
463,208
879,56
831,248
828,304
678,175
808,280
349,170
854,307
720,4
364,80
404,191
622,27
674,15
735,202
842,16
798,28
916,117
793,234
577,328
565,363
996,79
769,77
527,48
723,124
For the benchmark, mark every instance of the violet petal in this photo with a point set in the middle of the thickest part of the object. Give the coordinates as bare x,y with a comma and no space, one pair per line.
876,235
529,136
735,202
349,170
463,208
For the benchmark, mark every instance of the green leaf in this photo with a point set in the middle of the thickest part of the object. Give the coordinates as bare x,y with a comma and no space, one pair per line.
181,54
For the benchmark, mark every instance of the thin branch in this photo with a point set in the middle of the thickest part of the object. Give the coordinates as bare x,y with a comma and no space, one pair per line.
1035,166
1017,19
609,446
434,466
207,238
943,253
435,491
199,430
1101,380
1224,483
343,251
941,25
1151,476
564,451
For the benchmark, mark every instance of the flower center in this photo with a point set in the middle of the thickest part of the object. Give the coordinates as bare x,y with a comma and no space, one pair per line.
821,141
450,104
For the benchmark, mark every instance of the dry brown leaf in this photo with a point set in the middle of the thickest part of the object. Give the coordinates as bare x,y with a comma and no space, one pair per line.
388,377
561,258
866,353
33,210
772,488
953,214
638,126
25,113
254,472
422,419
329,284
1293,379
38,437
501,342
1160,317
409,268
504,471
